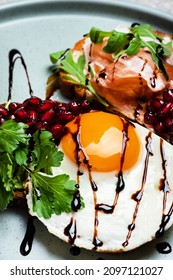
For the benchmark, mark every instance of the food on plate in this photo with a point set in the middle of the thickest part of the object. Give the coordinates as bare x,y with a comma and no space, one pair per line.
128,70
123,172
92,169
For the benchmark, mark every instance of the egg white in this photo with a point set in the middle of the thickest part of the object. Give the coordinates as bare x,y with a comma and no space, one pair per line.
112,229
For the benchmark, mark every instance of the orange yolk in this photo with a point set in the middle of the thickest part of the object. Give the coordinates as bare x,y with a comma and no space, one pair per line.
100,136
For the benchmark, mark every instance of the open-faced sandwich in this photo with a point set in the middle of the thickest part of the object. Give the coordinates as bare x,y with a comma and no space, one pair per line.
96,170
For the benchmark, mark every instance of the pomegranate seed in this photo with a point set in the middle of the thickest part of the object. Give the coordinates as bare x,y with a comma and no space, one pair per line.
171,111
46,105
21,115
13,107
168,95
156,104
150,118
34,101
41,125
63,107
164,110
65,116
75,107
3,112
159,127
169,122
57,130
86,106
32,116
150,110
48,116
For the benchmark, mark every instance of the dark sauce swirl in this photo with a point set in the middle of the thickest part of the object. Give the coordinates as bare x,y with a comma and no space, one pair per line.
26,244
139,194
15,55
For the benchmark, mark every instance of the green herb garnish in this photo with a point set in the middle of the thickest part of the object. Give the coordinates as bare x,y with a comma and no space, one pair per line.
130,43
74,71
24,157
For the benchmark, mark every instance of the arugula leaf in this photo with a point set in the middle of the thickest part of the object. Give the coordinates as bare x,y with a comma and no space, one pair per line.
73,68
97,35
144,30
131,43
153,47
56,194
117,41
74,72
54,57
134,46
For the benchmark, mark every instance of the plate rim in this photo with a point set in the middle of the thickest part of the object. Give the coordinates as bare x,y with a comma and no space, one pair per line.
18,5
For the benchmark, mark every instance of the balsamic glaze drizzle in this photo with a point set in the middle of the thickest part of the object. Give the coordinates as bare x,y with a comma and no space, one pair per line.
164,186
26,244
81,157
139,194
14,55
70,231
164,248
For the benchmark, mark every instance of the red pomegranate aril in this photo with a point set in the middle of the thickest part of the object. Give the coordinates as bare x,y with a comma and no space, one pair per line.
150,119
86,106
75,107
65,116
169,123
46,105
63,107
150,110
159,127
3,112
48,116
41,125
168,95
31,102
21,115
32,116
13,107
163,112
57,130
171,111
156,104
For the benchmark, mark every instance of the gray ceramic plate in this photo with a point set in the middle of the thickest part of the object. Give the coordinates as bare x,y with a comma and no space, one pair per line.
37,28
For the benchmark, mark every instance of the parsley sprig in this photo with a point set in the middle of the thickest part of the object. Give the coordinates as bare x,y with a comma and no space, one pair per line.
24,157
139,36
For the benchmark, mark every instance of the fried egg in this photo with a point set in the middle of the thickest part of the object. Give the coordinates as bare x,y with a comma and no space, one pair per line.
123,172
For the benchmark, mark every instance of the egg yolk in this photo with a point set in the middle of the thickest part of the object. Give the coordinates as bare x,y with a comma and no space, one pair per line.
99,136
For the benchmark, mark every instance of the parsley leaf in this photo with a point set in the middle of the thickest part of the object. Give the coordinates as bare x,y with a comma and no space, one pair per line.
24,156
12,134
45,154
56,194
5,196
